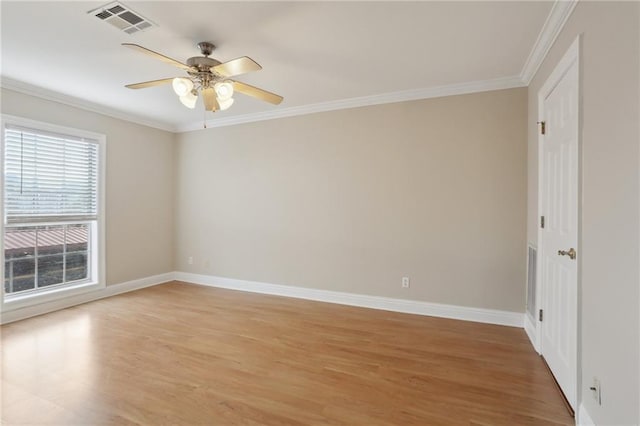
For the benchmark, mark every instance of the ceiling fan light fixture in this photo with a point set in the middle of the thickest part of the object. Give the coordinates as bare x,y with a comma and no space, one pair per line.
208,77
225,104
189,99
224,90
182,86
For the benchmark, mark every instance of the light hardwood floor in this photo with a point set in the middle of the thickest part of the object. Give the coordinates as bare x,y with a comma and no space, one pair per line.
185,354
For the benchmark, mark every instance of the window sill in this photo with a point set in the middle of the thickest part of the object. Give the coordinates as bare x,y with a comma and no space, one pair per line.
13,302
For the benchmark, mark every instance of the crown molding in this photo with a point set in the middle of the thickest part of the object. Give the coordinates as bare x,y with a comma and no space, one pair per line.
558,16
50,95
385,98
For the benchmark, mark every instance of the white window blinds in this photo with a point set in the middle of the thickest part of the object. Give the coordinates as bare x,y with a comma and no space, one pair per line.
49,177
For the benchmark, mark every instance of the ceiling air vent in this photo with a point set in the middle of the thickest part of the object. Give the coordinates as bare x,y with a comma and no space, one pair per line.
122,17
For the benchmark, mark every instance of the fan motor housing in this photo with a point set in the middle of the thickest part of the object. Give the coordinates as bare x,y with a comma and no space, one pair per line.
202,63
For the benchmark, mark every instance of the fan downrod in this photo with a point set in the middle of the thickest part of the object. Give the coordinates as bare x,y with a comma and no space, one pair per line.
206,48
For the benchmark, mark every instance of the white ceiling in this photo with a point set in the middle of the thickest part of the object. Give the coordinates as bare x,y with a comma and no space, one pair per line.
311,52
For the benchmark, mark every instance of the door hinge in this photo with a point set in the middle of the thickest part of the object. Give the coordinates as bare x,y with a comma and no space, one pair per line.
542,127
542,222
540,315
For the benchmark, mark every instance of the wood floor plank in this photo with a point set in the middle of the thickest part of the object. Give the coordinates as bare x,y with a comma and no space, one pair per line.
185,354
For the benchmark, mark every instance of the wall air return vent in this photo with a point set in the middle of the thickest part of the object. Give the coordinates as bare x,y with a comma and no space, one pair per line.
122,18
532,282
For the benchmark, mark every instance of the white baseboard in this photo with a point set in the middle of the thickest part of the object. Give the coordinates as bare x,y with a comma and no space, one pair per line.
111,290
583,418
490,316
530,328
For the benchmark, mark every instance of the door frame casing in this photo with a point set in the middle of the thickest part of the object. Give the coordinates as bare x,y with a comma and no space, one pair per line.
571,56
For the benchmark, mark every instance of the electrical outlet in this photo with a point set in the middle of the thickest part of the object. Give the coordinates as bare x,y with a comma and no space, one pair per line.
405,282
190,260
596,390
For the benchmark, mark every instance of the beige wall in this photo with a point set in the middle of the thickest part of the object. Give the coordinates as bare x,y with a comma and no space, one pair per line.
139,185
353,200
609,299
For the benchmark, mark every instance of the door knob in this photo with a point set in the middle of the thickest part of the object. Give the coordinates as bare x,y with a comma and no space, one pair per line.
571,253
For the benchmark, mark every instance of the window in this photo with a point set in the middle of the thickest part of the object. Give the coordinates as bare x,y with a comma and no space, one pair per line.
52,186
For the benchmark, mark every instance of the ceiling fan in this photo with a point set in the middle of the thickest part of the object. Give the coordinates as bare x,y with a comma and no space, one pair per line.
208,77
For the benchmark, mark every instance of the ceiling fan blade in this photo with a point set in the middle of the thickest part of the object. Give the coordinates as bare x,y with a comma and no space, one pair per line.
210,101
256,92
157,55
151,83
237,66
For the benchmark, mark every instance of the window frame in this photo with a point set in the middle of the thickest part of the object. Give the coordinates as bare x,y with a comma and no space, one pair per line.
97,257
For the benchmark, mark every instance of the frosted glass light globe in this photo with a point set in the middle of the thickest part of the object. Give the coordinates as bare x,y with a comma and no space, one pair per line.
182,86
224,90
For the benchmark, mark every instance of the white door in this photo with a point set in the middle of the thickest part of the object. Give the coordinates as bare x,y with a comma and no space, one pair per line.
559,198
